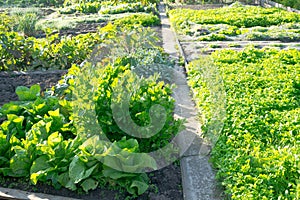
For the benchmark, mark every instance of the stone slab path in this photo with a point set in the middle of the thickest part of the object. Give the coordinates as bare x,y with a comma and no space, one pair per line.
198,176
6,193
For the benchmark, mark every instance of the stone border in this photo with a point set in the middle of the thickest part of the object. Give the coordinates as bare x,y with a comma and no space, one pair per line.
198,176
6,193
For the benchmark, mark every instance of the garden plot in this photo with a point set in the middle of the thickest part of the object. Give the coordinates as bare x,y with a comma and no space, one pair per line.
192,50
235,26
40,142
54,39
79,18
254,53
257,153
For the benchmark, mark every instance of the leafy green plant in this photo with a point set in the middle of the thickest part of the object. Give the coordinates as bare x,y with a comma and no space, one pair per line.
28,94
26,23
257,154
229,23
19,52
40,139
143,19
89,7
5,22
142,99
127,7
48,148
241,16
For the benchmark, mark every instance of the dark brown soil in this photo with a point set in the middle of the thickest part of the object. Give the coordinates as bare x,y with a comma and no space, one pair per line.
9,81
165,184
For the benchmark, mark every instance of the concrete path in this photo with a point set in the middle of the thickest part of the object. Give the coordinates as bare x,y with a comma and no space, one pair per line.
198,177
6,193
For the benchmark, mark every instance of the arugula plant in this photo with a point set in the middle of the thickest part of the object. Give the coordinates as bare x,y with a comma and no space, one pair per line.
257,153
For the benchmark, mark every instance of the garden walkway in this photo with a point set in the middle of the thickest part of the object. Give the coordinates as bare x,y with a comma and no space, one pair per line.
198,177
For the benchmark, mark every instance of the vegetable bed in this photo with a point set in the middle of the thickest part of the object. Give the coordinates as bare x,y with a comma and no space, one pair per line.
44,136
236,22
23,47
258,152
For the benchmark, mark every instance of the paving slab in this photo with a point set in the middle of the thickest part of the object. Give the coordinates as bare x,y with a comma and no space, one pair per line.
198,176
198,181
6,193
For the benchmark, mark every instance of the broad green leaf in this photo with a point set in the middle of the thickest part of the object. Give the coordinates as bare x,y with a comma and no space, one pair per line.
4,145
93,146
115,174
122,158
138,187
55,139
3,160
54,113
20,163
89,184
28,94
77,170
6,171
40,164
10,108
65,181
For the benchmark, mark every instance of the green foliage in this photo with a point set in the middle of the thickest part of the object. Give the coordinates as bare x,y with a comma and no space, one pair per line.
148,94
18,52
39,137
93,7
143,19
89,7
257,154
28,94
230,23
40,140
127,7
26,23
24,20
5,22
290,3
243,16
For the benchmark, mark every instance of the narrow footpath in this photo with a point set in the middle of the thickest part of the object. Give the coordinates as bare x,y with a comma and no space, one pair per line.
198,177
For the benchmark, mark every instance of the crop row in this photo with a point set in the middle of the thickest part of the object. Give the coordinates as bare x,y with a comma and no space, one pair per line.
258,151
18,52
236,22
70,135
107,8
62,3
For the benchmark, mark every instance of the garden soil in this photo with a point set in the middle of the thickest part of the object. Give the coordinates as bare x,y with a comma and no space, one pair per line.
165,184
